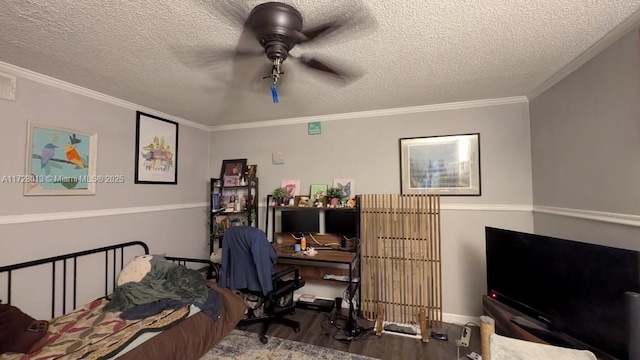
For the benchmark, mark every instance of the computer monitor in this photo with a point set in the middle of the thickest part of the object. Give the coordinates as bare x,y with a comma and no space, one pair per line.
341,222
299,221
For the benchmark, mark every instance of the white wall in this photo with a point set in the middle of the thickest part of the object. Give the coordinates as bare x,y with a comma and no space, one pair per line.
367,150
585,147
169,218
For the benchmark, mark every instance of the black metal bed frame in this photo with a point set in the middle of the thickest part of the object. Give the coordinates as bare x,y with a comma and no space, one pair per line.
211,270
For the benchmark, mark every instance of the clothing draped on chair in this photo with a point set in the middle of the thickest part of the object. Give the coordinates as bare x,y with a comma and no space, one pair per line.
245,245
248,261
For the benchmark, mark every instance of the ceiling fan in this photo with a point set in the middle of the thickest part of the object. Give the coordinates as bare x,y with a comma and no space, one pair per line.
278,28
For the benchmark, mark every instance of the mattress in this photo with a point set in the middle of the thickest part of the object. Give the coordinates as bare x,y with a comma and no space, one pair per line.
184,333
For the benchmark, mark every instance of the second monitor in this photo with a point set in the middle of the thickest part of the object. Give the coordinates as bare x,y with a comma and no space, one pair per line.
339,222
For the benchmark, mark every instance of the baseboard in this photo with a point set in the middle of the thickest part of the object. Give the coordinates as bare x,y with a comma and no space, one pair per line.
448,318
460,319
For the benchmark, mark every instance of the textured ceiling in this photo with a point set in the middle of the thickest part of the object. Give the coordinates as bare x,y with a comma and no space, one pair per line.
420,52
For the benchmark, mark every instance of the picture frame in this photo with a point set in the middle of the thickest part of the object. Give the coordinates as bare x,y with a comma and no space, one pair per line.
318,191
156,159
444,165
232,171
348,187
60,161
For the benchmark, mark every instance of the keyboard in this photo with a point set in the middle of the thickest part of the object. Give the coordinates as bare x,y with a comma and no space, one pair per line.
322,247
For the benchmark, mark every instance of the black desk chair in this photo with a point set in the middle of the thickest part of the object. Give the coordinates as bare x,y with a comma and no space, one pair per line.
248,261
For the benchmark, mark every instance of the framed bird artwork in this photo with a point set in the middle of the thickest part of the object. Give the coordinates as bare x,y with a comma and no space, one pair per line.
60,161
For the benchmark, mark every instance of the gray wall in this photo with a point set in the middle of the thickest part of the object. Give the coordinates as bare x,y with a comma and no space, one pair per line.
585,135
170,219
367,151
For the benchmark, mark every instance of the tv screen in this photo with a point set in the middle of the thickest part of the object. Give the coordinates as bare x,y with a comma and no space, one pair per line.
341,222
574,288
300,221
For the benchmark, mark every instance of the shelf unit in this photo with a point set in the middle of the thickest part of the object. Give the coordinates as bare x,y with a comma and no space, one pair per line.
222,217
272,209
325,261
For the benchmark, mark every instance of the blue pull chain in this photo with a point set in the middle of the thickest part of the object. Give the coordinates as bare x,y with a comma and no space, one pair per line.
274,93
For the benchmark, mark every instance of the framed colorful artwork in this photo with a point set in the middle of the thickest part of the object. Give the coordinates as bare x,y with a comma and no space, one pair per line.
156,150
60,161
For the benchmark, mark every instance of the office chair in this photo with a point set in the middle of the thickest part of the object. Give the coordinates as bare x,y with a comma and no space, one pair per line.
248,260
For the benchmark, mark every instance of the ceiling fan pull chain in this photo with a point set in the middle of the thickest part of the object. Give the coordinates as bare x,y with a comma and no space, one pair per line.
274,93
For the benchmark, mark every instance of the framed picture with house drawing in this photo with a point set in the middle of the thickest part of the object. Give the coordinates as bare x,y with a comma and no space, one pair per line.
444,165
156,150
60,161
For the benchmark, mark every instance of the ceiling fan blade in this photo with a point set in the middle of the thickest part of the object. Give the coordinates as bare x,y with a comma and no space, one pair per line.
323,29
357,18
207,57
329,68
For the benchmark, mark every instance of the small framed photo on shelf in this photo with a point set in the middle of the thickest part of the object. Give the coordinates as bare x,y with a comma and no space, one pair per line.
232,171
318,191
443,165
251,171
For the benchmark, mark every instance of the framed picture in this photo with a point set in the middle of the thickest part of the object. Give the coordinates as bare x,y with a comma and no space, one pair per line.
347,186
444,165
156,150
60,161
292,186
318,191
232,171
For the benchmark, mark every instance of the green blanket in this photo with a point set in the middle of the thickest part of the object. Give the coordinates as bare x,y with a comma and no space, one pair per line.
165,280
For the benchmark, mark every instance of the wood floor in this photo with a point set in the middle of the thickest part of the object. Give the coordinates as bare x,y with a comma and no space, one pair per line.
316,329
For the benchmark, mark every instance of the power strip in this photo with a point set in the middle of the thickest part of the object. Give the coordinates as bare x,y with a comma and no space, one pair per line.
465,337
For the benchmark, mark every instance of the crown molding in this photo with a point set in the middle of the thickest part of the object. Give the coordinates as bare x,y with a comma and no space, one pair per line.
30,218
611,37
609,217
375,113
47,80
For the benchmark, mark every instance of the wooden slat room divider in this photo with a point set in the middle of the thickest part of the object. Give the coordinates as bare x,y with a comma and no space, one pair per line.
401,259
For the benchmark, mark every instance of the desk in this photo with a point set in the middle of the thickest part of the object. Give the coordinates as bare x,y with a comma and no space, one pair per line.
336,262
313,268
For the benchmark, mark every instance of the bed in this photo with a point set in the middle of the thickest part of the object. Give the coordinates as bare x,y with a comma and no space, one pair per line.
159,323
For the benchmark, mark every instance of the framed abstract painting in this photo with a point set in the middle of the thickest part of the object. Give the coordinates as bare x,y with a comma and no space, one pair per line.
444,165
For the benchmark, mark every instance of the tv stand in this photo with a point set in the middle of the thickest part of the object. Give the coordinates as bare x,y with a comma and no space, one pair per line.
513,323
540,331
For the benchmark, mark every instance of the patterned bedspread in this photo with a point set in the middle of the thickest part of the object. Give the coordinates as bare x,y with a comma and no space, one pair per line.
91,333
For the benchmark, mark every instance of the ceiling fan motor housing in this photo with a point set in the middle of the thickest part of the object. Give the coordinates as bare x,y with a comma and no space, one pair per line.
277,26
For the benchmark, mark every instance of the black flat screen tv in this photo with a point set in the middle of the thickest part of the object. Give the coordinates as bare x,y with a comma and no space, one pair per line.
574,288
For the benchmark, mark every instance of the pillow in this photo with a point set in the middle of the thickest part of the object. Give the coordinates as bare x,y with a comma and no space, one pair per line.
19,332
135,270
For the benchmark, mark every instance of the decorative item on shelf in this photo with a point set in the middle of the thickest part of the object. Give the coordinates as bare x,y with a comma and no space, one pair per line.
279,195
251,171
231,171
302,201
334,194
